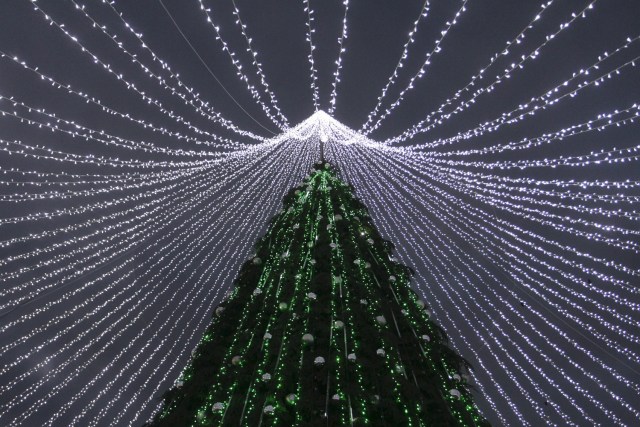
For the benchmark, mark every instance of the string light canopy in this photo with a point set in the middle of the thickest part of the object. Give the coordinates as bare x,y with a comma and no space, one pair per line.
139,164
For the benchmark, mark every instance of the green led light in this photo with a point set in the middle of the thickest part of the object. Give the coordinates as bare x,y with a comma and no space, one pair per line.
322,325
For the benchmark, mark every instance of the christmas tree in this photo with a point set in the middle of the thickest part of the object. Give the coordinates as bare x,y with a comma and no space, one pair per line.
322,328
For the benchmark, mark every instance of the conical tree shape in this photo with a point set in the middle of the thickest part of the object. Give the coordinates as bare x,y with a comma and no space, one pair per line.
322,329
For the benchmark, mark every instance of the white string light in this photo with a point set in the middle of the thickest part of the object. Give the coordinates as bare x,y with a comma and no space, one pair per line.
281,121
366,127
203,108
424,12
341,50
312,66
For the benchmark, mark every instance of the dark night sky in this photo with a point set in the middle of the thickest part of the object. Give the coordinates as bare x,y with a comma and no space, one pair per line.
377,32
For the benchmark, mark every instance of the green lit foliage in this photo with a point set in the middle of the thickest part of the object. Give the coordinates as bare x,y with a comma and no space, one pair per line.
322,328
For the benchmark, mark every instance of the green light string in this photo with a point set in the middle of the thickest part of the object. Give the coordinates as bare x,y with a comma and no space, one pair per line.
303,278
329,273
338,271
273,263
334,362
276,255
389,361
313,230
186,376
410,310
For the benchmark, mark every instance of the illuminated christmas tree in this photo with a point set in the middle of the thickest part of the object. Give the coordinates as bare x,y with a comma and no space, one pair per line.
322,328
